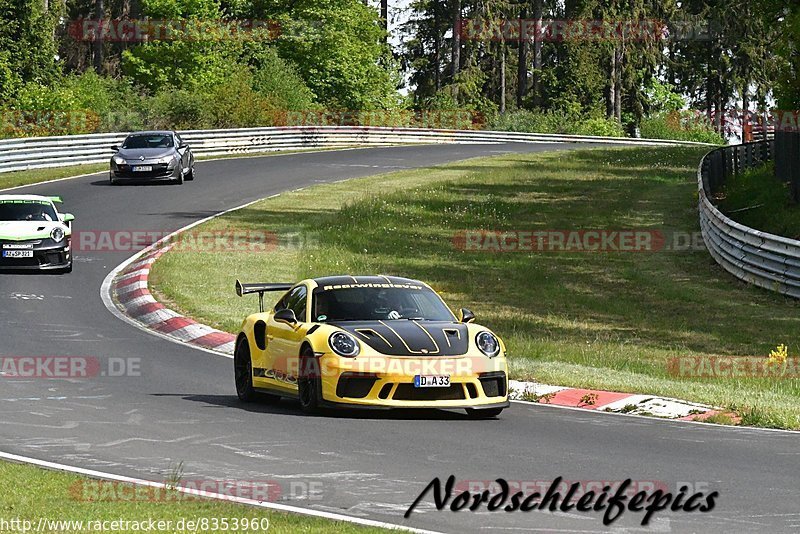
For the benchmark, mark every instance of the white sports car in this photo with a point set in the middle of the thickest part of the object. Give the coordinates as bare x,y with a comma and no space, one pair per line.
33,235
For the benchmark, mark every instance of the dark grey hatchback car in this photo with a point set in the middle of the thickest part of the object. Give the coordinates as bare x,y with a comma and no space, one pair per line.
152,157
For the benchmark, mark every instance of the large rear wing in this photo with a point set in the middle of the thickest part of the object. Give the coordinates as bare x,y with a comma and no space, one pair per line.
246,289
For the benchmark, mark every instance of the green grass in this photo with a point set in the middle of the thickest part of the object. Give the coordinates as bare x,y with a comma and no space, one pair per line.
756,198
598,320
31,493
17,178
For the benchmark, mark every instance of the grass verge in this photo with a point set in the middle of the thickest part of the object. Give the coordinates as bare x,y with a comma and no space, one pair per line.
35,176
610,320
30,494
757,199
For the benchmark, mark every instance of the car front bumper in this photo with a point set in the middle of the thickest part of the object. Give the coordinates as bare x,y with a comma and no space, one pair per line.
389,382
47,255
161,173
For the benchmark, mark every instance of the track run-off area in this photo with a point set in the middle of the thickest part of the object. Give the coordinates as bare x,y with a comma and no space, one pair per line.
182,407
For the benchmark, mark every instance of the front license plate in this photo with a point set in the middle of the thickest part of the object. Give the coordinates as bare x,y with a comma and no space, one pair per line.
17,253
432,381
142,168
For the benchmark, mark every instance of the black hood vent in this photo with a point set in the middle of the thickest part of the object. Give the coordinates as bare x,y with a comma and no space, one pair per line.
411,338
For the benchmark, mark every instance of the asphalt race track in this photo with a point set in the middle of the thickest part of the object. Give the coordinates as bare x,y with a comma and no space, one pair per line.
183,407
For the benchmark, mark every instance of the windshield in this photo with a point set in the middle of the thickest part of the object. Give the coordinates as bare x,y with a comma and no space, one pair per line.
378,303
27,210
148,141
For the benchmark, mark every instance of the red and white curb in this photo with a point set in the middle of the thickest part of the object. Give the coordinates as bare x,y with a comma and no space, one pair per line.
132,297
609,401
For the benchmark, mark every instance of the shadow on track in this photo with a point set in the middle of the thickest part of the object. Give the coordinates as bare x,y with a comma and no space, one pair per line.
127,183
34,272
291,407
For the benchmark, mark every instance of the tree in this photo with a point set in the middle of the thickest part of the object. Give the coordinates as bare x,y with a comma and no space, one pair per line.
27,48
339,49
191,59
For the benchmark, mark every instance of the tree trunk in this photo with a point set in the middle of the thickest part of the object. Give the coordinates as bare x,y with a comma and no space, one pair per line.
385,19
671,66
456,54
537,53
611,86
99,13
502,76
618,51
522,60
437,51
718,108
746,122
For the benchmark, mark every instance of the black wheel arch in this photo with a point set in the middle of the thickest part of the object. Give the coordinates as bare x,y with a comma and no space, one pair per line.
239,338
306,345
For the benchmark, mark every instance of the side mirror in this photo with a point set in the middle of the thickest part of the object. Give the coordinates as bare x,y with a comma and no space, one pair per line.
115,148
183,145
466,316
67,217
285,316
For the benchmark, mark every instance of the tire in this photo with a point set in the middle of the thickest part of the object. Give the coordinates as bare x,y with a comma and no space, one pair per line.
487,413
309,384
179,179
190,174
111,180
243,372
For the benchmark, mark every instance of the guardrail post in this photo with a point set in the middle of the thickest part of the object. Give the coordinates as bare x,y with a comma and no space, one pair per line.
787,160
794,165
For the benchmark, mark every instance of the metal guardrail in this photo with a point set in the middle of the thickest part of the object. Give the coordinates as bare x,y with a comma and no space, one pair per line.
40,152
759,258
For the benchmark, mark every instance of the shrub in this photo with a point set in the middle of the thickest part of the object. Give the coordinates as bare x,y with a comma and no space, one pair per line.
279,81
562,121
681,126
118,106
41,111
235,104
601,126
180,110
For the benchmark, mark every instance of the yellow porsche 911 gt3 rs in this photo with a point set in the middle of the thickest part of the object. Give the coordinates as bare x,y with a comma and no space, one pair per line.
368,341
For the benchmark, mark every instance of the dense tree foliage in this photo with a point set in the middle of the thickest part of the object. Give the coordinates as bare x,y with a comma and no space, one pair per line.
218,63
718,54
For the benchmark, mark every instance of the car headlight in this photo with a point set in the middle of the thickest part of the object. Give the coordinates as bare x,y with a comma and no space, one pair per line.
344,344
57,234
119,161
488,344
166,159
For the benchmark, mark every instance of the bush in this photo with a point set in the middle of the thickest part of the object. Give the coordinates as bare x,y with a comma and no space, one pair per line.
43,111
118,106
278,80
601,126
565,122
235,104
76,104
681,126
179,110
